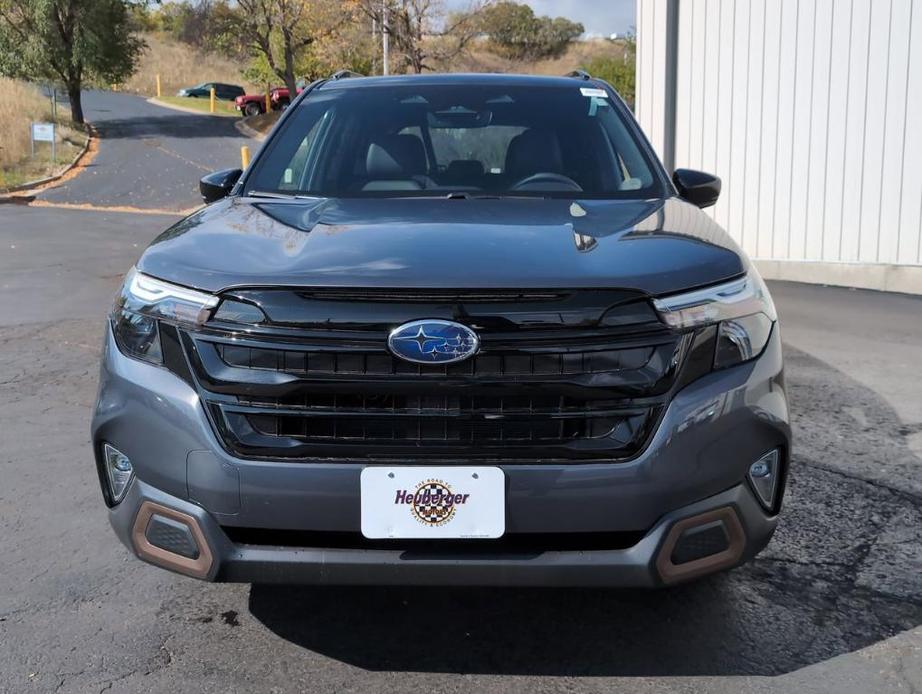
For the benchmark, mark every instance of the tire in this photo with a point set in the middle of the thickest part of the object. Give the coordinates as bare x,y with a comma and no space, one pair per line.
252,109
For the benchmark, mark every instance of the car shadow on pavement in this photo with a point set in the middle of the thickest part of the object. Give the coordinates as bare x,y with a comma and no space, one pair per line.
178,126
841,573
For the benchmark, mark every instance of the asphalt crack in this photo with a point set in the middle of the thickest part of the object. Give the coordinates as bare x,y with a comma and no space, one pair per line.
911,497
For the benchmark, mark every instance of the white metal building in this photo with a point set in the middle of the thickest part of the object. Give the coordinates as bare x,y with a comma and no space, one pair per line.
811,113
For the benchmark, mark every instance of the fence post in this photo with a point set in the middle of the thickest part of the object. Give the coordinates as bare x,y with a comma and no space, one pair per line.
244,157
158,86
211,104
268,103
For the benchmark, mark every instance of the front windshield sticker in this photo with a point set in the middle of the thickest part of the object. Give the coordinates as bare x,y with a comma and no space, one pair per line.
588,91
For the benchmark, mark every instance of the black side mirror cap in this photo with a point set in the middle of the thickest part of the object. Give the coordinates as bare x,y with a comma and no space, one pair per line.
218,185
699,188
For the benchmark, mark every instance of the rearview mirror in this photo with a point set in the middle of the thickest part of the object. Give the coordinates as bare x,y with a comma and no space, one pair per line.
218,185
699,188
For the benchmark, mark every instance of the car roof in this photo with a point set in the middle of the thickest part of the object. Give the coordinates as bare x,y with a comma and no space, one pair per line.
454,78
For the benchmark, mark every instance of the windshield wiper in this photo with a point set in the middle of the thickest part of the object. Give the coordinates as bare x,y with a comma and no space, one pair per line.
463,195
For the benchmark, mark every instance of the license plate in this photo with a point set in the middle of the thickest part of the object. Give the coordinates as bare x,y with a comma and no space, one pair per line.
433,502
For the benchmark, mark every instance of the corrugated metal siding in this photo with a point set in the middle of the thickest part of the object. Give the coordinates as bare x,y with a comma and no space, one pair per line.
811,113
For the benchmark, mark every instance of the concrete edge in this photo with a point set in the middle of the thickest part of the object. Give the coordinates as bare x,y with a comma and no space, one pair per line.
51,179
904,279
163,104
246,130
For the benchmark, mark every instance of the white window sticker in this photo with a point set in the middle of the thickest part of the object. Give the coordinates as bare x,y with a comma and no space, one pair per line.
589,91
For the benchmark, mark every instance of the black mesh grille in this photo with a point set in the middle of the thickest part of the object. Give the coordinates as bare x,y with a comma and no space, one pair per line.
700,542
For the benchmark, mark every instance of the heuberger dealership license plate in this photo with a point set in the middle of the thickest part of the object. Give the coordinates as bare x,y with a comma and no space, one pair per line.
433,502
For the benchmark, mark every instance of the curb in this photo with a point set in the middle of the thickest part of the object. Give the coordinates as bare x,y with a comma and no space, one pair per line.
246,130
162,104
4,194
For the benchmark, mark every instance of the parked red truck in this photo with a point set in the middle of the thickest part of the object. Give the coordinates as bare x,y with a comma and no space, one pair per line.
281,96
251,104
254,104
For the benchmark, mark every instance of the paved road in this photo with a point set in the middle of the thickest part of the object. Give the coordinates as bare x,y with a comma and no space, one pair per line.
149,156
833,604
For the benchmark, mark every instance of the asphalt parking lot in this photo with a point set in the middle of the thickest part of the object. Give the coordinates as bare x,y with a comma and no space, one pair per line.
833,604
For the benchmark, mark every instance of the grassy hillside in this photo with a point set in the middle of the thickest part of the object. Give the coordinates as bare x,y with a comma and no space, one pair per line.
22,104
578,53
180,65
609,60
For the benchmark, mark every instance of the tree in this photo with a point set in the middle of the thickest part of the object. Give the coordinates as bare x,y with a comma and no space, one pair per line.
282,32
211,25
515,32
420,30
68,41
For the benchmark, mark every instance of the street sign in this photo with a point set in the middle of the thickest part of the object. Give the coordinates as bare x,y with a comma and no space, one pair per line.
43,132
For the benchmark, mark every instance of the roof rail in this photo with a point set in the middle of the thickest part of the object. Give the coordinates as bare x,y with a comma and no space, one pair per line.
344,74
579,74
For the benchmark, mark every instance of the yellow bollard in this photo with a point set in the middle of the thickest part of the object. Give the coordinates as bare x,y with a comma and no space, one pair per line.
244,157
268,103
211,105
158,86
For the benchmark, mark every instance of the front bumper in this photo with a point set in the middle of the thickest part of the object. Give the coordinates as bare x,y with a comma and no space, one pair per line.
638,566
695,464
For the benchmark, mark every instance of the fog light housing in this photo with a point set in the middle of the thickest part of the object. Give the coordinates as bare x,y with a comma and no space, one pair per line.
764,475
119,472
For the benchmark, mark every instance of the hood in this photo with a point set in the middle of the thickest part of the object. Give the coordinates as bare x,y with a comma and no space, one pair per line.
656,247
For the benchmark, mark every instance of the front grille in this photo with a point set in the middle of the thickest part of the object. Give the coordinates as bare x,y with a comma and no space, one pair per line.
436,418
347,363
567,376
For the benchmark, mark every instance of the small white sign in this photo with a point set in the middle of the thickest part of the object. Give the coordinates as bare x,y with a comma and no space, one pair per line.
43,132
433,502
590,91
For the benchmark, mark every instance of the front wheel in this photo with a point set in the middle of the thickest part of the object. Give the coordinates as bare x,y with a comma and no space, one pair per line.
252,109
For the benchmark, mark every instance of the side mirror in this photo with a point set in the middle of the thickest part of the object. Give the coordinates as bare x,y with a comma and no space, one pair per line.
699,188
218,185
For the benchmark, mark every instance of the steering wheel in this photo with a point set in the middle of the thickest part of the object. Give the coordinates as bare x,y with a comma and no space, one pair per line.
543,179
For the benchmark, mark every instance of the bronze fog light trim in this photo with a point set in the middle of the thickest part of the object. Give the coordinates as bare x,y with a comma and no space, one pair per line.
673,573
197,568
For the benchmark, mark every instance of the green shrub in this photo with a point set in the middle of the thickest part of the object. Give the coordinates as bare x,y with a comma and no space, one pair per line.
618,71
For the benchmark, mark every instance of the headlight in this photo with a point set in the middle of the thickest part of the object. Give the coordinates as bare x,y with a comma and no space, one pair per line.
142,302
742,310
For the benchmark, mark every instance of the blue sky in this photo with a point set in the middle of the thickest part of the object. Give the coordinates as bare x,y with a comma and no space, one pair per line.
601,17
598,16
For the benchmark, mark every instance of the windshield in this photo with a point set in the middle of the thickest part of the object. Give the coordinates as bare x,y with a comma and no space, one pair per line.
553,141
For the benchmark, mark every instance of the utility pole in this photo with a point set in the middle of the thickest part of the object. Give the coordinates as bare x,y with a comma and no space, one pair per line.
384,35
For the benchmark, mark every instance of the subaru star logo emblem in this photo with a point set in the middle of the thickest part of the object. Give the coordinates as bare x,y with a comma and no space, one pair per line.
433,342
